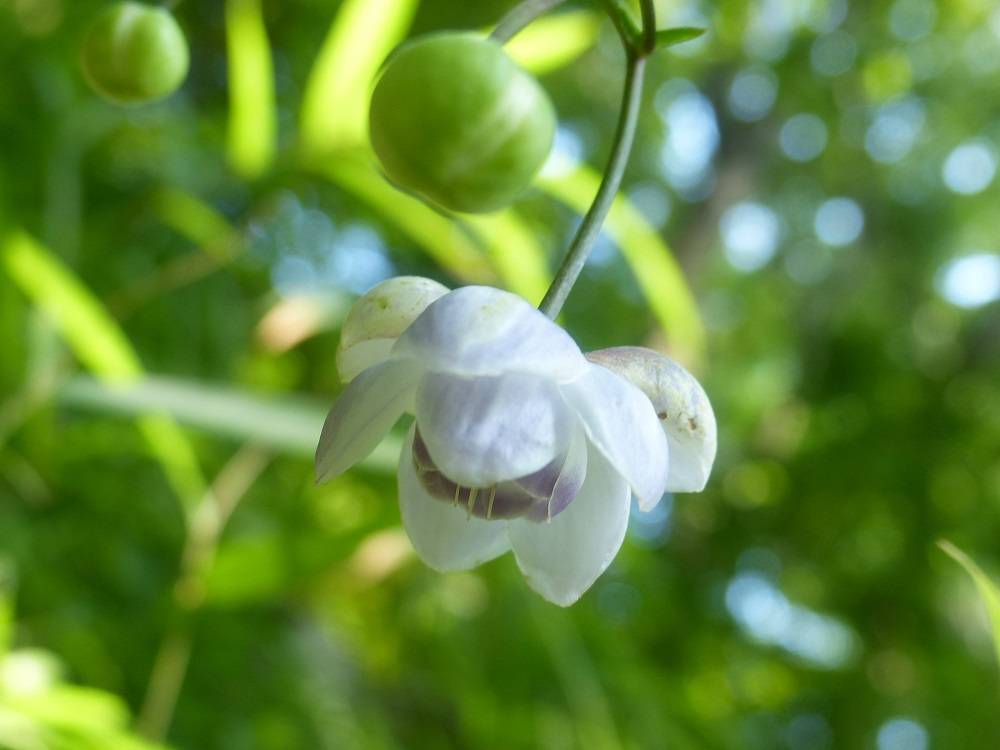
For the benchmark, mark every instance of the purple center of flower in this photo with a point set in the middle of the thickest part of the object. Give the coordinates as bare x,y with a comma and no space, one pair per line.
539,496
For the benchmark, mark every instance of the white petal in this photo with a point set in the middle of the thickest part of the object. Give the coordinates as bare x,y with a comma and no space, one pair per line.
484,430
478,330
445,537
563,557
379,317
365,411
621,422
681,405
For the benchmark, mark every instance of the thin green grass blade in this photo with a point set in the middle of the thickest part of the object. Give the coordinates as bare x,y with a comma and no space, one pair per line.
252,115
287,424
988,591
555,41
101,346
335,104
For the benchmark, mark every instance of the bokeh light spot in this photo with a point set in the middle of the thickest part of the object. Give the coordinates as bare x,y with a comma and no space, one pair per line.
971,281
803,137
750,233
970,167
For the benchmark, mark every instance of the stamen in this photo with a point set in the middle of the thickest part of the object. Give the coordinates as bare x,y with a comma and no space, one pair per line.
489,505
473,492
458,489
548,508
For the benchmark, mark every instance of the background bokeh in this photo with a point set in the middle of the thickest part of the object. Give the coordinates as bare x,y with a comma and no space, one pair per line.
172,278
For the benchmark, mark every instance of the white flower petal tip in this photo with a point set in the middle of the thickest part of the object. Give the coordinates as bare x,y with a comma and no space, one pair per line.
483,430
379,317
622,423
365,411
681,406
444,536
478,330
561,558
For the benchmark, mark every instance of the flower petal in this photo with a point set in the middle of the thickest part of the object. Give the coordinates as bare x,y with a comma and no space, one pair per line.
563,557
621,422
365,411
681,405
445,537
484,430
379,317
478,330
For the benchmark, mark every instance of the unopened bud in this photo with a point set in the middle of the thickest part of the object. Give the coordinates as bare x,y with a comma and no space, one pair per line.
378,318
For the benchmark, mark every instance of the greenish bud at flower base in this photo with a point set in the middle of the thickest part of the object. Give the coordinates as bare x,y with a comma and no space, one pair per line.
134,53
456,121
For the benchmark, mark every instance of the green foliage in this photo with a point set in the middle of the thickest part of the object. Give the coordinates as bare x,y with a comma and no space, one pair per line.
987,589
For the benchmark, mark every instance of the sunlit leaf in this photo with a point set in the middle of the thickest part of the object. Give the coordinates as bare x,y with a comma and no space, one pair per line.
988,590
101,346
252,116
655,269
517,255
335,105
554,41
440,237
288,424
6,607
195,220
670,37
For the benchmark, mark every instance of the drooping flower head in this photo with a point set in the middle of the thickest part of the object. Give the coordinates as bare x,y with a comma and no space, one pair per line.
519,442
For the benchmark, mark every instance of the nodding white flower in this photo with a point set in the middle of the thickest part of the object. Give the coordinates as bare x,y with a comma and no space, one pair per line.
519,442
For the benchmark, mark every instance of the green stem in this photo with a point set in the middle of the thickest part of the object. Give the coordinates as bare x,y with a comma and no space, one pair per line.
628,118
520,16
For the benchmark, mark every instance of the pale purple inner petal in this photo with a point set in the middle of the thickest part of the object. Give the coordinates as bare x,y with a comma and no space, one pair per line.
538,496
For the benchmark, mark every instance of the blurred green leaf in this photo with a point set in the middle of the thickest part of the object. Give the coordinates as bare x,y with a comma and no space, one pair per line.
101,346
554,41
670,37
288,424
252,115
652,263
335,104
193,219
439,236
988,591
6,607
517,255
247,569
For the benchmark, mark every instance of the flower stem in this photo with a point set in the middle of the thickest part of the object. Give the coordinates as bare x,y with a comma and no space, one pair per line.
520,16
583,242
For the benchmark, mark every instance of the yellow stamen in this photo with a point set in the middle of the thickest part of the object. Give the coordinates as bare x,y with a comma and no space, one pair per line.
472,498
489,505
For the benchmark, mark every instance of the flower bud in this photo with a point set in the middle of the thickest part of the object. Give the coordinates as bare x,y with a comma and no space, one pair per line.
681,406
454,119
134,53
379,317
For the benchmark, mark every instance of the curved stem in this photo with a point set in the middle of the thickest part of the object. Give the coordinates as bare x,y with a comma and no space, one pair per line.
628,118
520,16
583,241
648,26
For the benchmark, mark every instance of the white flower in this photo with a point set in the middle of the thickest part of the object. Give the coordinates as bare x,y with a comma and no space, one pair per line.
519,442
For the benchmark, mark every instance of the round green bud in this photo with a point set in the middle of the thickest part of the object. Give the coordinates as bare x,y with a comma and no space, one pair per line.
455,120
134,53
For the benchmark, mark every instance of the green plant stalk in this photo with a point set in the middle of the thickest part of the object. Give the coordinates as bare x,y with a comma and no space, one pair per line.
520,16
636,52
